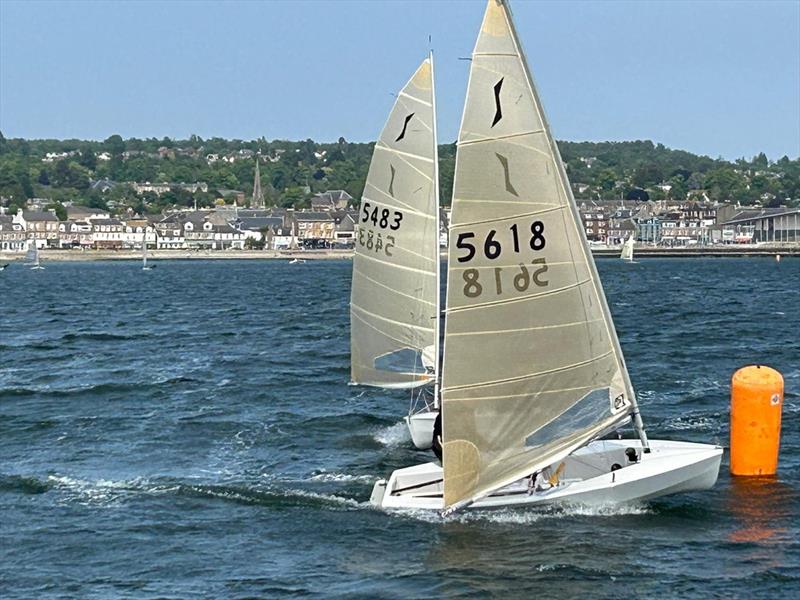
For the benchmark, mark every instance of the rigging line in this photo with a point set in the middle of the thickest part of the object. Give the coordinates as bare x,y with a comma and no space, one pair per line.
517,330
395,265
510,218
391,289
502,137
474,54
520,299
470,386
388,320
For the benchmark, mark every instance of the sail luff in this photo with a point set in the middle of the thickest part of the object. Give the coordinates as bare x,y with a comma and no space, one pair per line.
435,240
394,303
507,406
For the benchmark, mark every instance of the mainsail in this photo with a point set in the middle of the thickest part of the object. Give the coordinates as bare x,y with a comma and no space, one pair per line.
532,365
627,249
32,255
394,305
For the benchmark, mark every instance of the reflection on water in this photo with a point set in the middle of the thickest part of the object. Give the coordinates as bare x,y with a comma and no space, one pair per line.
762,508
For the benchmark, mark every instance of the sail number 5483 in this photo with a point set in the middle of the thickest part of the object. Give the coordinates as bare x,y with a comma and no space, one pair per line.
493,248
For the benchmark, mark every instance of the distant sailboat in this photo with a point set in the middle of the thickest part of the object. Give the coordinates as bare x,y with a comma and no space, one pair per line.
394,303
145,267
3,267
533,374
32,256
627,249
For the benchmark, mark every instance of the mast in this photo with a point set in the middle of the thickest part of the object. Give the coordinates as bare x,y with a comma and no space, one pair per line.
437,221
636,416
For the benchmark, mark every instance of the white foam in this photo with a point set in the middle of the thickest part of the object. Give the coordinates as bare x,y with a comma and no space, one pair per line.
341,477
393,435
525,516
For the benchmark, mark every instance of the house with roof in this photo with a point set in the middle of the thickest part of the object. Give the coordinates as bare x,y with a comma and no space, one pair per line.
136,231
75,234
12,235
41,226
84,213
314,225
759,225
107,234
331,200
345,223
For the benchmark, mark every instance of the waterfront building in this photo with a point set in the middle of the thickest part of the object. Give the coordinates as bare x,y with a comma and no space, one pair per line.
648,230
75,234
313,225
107,233
331,200
39,226
12,235
760,225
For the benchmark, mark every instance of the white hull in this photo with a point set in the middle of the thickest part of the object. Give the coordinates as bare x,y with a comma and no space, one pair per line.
420,426
586,478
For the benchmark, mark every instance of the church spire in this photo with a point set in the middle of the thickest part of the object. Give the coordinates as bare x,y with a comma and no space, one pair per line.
258,195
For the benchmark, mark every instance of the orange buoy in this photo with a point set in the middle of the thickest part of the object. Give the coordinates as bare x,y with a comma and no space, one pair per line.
756,402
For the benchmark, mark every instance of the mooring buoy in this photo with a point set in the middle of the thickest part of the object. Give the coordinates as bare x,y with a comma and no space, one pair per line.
756,404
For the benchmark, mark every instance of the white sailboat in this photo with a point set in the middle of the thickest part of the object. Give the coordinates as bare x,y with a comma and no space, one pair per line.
145,266
627,249
533,375
394,305
32,256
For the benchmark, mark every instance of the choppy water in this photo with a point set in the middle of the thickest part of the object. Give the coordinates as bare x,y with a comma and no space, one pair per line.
189,432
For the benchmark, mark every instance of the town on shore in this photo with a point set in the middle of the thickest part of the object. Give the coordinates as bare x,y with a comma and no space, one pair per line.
276,196
332,224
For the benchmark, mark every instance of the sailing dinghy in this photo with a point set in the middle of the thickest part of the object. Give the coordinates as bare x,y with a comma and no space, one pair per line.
394,304
533,375
145,267
32,256
627,249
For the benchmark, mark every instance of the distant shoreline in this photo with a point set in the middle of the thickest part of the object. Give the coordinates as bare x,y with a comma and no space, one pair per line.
158,255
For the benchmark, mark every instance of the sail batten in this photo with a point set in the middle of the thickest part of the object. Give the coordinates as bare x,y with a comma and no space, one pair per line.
551,375
394,303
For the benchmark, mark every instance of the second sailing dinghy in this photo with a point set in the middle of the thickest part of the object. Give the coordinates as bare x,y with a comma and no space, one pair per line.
32,256
394,305
627,249
533,374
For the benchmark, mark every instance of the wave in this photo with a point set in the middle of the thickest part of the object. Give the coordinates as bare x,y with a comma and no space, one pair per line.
96,337
526,516
341,477
105,492
393,435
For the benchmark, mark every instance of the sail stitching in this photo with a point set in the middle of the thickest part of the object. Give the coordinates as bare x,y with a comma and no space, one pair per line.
519,299
388,320
517,330
555,207
391,289
470,386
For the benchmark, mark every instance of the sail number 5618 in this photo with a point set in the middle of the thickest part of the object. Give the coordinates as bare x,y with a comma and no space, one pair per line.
492,248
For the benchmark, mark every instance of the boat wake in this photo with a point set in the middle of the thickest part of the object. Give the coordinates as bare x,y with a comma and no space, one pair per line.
393,435
515,516
108,493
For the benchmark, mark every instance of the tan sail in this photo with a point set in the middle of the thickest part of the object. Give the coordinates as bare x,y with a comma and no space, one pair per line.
394,303
532,365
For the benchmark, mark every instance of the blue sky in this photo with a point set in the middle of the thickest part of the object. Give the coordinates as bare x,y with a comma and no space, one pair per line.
718,78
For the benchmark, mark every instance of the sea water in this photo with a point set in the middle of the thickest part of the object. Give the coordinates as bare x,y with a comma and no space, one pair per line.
189,432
